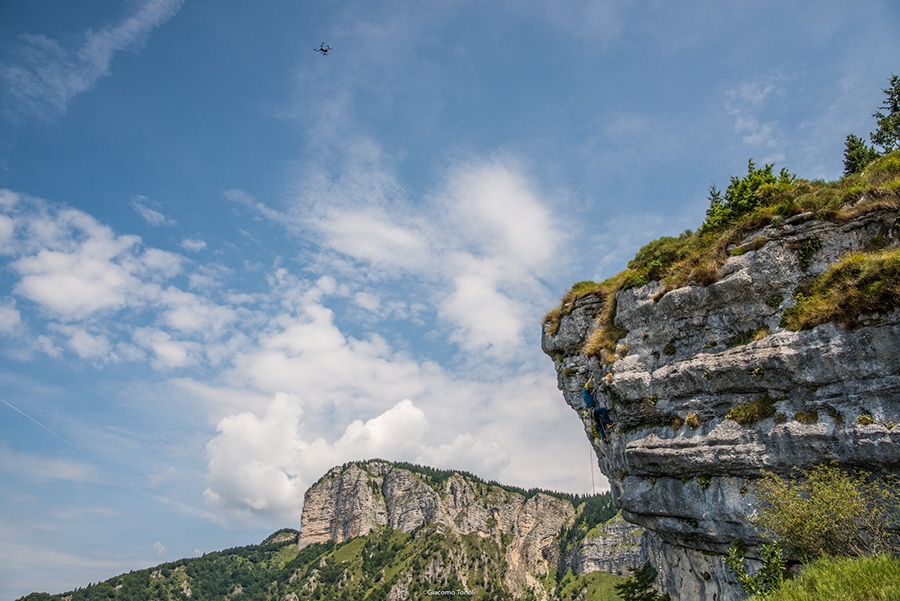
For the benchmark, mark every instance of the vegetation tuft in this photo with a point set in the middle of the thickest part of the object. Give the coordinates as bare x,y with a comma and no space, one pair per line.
839,579
758,409
859,283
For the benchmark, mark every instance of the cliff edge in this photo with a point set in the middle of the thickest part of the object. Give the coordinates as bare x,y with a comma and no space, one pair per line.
713,379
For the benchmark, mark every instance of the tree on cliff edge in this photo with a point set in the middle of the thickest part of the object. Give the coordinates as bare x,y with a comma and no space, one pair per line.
888,134
858,154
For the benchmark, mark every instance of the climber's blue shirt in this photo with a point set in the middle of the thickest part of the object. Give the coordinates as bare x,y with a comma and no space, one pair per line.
587,397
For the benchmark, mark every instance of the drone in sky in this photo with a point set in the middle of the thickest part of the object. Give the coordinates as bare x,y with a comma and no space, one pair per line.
323,49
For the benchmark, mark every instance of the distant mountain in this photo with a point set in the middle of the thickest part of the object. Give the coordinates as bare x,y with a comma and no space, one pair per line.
378,531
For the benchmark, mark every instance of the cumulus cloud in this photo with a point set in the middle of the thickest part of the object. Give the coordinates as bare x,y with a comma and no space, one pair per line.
47,76
260,467
72,266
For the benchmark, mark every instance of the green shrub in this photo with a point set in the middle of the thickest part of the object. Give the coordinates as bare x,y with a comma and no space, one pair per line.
768,577
756,410
827,512
742,195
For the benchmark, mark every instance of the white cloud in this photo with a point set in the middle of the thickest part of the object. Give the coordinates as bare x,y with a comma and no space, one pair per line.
370,235
747,103
7,228
48,76
85,344
485,318
151,216
159,548
10,318
187,312
167,353
309,354
499,213
156,479
260,467
467,453
73,266
367,301
476,249
46,345
193,244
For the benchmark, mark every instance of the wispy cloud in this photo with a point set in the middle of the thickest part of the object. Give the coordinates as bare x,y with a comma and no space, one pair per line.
48,75
41,468
747,105
153,217
193,244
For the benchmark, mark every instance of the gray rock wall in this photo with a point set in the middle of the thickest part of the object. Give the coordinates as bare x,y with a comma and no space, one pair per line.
688,486
617,547
353,500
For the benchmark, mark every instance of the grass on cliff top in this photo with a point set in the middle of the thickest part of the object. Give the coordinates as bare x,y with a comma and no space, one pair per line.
875,578
749,204
857,284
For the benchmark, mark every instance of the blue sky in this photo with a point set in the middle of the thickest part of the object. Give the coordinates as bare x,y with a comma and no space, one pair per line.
229,262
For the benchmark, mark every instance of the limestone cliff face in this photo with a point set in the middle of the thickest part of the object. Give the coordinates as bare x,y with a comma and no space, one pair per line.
354,499
677,465
616,547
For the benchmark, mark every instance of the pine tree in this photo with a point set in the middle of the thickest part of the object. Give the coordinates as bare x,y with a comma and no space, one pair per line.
857,154
888,134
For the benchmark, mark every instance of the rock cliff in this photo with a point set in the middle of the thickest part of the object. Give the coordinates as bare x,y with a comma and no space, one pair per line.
355,499
614,547
707,388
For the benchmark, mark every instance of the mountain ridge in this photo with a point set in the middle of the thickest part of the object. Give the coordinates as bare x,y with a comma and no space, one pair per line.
579,547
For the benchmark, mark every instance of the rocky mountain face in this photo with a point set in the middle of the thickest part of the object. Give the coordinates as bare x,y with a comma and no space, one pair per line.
378,531
356,499
707,388
613,547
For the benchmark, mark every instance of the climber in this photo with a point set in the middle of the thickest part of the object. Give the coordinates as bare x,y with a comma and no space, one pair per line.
600,414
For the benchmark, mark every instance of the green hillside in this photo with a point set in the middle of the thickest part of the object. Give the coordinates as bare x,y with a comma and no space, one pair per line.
363,568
